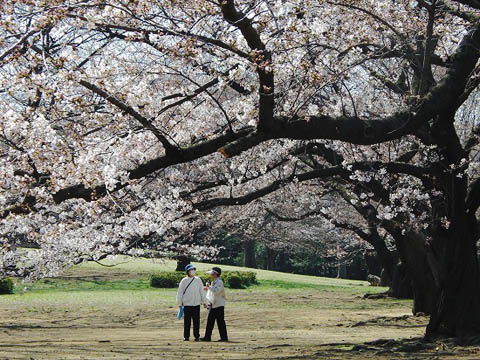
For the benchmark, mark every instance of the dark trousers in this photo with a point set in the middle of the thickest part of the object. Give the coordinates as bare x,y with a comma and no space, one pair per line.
191,313
219,315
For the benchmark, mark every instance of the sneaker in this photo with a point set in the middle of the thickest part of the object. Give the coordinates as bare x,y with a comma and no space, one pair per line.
223,340
197,339
186,339
205,339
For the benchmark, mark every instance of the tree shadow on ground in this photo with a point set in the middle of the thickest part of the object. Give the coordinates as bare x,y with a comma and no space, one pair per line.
404,321
413,348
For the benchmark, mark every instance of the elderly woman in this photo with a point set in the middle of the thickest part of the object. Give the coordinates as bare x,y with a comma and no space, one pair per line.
216,305
190,295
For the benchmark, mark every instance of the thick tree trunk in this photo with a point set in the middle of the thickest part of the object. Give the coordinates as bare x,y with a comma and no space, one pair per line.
249,259
457,311
424,294
385,280
341,270
385,257
271,256
401,284
373,263
453,252
182,261
281,262
395,273
413,255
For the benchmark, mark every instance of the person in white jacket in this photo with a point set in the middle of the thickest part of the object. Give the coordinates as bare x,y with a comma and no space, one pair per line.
191,295
216,305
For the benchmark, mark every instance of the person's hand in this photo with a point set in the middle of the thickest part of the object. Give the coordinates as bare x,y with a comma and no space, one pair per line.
205,306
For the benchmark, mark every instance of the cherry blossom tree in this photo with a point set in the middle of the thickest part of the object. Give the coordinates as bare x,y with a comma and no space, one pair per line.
124,121
282,236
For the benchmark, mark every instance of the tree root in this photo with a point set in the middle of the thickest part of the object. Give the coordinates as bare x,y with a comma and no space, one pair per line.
382,320
383,295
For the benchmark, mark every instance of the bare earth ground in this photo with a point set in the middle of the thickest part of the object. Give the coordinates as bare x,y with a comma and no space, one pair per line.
263,324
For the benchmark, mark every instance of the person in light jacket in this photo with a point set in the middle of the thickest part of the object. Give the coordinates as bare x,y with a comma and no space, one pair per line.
216,305
191,295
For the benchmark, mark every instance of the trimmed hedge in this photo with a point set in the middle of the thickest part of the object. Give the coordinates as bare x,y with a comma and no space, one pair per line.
165,279
239,279
232,279
6,286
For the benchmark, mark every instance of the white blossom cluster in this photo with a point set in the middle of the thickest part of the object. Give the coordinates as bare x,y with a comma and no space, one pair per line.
92,93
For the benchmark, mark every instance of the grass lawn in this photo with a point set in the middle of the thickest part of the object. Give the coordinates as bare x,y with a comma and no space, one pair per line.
96,311
92,284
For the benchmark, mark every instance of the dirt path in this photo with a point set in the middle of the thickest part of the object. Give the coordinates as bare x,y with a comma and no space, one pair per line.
275,325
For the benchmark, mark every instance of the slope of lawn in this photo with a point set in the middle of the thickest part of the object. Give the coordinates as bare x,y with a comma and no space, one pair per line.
126,273
126,280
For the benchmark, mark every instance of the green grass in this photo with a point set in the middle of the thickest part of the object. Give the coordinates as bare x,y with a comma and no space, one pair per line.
126,283
148,266
52,285
289,285
90,297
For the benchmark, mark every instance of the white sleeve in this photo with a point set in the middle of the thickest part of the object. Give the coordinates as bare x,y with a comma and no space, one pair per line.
203,295
180,292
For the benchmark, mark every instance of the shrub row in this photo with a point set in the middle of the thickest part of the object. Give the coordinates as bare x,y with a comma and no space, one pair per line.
239,279
232,279
6,286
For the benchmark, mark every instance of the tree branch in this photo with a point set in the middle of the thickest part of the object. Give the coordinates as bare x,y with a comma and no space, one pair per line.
17,44
147,124
441,98
311,175
456,11
191,153
162,32
346,226
261,57
472,3
213,184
